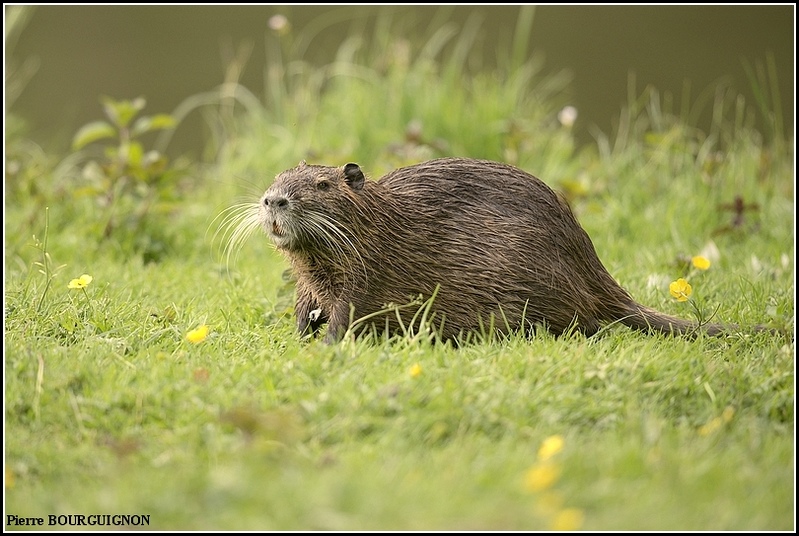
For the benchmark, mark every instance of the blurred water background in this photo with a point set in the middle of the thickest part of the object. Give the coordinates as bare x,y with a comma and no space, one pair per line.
168,53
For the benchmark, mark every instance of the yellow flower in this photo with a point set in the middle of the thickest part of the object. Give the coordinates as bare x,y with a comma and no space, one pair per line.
416,370
81,282
717,422
568,519
198,335
710,426
541,476
680,289
727,414
700,263
549,447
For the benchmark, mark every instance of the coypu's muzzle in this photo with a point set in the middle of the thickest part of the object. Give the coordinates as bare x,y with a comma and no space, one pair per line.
276,218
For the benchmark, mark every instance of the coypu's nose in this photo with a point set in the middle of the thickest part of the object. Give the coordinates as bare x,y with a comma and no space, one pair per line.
276,201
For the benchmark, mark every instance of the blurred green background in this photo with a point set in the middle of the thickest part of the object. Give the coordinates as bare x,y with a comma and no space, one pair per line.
167,53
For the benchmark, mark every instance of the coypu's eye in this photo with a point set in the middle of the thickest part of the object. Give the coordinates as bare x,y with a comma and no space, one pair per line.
323,185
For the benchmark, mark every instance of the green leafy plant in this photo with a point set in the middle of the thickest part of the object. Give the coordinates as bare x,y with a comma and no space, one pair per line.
128,181
46,264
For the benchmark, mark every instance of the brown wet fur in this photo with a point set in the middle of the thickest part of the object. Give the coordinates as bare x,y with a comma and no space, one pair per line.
496,245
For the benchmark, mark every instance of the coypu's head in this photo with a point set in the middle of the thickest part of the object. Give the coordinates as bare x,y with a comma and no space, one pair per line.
309,206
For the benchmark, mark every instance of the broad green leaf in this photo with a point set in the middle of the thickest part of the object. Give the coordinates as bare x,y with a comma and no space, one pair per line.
92,132
155,122
134,155
122,112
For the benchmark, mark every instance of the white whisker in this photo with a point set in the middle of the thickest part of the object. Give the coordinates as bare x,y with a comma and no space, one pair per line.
237,223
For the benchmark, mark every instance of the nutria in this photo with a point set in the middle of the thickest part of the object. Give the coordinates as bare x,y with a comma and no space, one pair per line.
493,245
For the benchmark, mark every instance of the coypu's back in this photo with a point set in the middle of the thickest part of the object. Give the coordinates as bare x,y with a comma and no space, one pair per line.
494,244
545,254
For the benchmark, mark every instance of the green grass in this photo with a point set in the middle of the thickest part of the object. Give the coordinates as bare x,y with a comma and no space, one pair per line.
110,410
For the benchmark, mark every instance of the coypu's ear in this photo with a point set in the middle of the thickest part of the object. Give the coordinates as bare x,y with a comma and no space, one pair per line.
353,176
302,164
